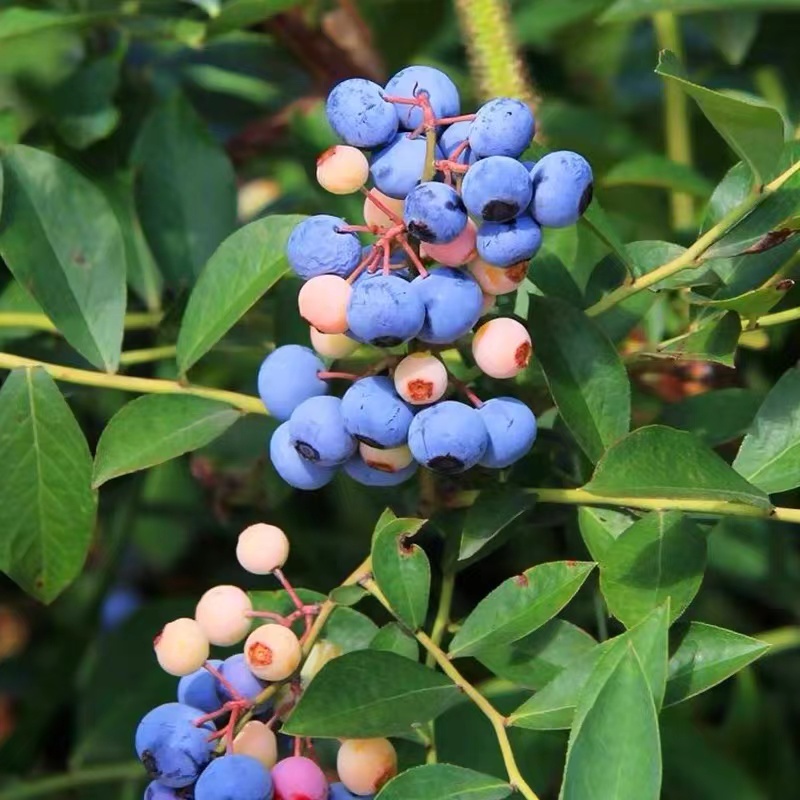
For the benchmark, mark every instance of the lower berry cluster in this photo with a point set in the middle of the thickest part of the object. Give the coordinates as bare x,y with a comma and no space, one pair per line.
218,741
454,216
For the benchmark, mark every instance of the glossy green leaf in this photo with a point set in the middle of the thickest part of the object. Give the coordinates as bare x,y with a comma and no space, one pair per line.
61,240
705,656
770,453
347,595
625,10
444,782
47,506
155,428
553,707
715,341
656,461
186,189
402,570
661,556
370,693
714,417
614,749
749,305
240,272
493,511
519,606
584,373
537,658
659,171
393,639
754,130
600,527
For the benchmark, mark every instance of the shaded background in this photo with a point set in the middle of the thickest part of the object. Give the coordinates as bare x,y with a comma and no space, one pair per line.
76,676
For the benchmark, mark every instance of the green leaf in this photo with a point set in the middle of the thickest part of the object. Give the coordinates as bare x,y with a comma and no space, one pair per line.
347,595
626,10
393,639
733,34
754,130
402,570
749,305
770,453
444,782
656,461
614,749
705,656
246,265
659,171
19,22
186,189
715,341
584,373
370,693
493,511
155,428
238,14
661,556
61,240
553,707
537,658
350,629
714,417
600,527
519,606
47,506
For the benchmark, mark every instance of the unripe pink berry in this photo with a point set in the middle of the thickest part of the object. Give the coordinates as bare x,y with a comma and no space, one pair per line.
455,253
182,647
262,548
498,280
501,347
258,741
332,345
223,615
392,459
365,765
342,169
420,379
272,652
299,778
375,217
323,303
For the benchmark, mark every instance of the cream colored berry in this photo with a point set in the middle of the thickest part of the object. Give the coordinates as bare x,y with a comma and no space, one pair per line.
323,303
272,652
223,615
374,216
420,379
182,647
262,548
365,765
501,347
342,169
392,459
257,741
498,280
332,345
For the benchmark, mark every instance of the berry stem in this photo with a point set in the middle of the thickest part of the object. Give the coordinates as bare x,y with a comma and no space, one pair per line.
414,258
381,206
451,120
211,669
284,581
465,390
345,376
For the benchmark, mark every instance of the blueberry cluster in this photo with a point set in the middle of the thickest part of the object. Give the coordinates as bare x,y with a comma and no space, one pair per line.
454,218
203,746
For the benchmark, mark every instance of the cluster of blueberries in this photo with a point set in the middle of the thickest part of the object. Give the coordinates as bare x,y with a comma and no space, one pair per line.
179,742
455,217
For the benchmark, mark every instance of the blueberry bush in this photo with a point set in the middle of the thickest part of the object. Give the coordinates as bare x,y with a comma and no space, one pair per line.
399,399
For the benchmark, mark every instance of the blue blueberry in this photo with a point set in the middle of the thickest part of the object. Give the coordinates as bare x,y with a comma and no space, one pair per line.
340,792
453,303
502,127
200,689
449,437
416,80
454,135
396,169
292,467
234,777
562,189
237,674
319,246
358,113
435,213
512,431
119,604
362,473
172,748
497,189
375,414
385,311
317,432
287,377
507,243
157,791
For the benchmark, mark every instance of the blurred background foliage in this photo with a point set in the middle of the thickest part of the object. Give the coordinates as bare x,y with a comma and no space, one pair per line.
201,103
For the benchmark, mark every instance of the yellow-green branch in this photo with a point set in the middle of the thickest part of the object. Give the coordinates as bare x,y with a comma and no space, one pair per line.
41,322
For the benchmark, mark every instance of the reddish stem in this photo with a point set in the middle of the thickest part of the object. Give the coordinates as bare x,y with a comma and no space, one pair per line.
210,668
466,391
406,101
378,204
413,256
358,229
458,150
278,573
448,165
460,118
298,746
345,376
